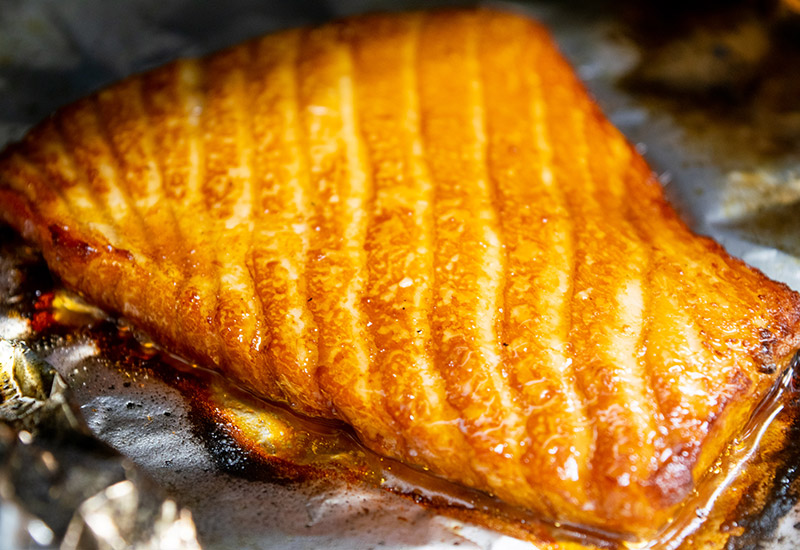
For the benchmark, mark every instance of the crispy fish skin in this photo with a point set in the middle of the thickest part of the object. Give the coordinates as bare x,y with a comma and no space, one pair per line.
422,225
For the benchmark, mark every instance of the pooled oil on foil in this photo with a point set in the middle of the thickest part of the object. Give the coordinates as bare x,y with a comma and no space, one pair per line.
708,97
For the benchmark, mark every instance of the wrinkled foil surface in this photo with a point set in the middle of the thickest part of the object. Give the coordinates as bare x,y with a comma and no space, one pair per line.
119,460
64,485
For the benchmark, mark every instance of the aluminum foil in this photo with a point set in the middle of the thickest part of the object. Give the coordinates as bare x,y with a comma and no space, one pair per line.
66,486
710,99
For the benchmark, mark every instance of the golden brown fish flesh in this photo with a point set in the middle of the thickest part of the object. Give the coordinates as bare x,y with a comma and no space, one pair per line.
422,225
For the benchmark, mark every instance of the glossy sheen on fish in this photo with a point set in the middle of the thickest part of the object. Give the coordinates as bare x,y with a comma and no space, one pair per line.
419,224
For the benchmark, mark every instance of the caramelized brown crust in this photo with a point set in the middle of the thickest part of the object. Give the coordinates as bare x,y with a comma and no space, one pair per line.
422,225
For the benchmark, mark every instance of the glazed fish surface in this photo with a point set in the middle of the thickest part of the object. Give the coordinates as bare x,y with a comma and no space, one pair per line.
421,225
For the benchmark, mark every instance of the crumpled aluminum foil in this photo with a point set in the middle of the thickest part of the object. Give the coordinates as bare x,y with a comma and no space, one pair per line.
68,488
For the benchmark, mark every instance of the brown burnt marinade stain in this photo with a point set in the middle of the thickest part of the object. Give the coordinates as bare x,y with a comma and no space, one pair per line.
230,456
121,346
231,451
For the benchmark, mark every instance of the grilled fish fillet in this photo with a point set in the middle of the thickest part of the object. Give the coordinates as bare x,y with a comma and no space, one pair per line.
419,224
